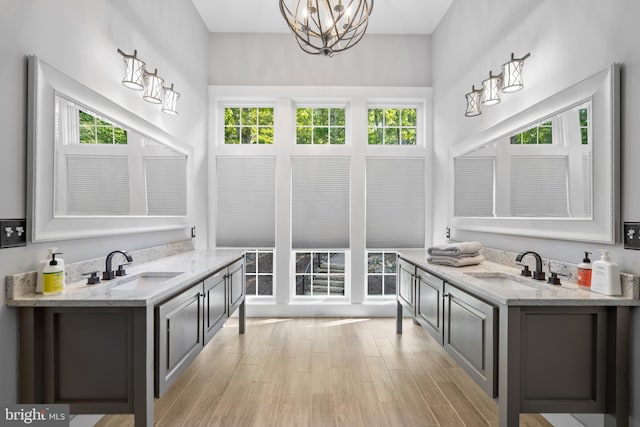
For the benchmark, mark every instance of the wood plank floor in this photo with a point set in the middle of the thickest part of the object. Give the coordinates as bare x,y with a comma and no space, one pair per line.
323,372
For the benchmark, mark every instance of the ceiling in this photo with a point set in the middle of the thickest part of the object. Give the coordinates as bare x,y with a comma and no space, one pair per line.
263,16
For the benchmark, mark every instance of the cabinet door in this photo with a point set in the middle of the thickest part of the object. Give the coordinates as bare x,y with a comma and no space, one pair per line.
236,285
429,303
406,285
470,329
179,335
215,304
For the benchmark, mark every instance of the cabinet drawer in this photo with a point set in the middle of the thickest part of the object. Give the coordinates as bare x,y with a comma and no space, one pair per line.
215,304
470,336
178,335
430,303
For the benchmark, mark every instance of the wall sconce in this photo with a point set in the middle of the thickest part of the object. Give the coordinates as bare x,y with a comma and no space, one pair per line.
137,78
491,89
510,80
170,100
473,102
512,72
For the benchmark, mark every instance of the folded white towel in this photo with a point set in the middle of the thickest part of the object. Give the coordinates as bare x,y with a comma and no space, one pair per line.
454,261
455,249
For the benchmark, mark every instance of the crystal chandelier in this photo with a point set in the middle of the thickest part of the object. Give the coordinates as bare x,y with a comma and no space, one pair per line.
326,26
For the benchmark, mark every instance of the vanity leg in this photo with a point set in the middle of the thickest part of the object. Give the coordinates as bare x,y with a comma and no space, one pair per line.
509,367
618,331
29,356
241,316
399,318
143,366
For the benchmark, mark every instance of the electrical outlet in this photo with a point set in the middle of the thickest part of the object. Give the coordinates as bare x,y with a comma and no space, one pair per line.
13,232
632,235
193,232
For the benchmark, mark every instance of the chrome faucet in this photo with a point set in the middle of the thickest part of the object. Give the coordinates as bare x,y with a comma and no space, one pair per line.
108,273
538,274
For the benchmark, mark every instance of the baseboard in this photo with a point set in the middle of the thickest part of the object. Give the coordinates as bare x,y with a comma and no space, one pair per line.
562,420
321,310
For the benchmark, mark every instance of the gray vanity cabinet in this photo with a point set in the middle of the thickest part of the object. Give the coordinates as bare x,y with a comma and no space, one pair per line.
215,304
406,286
178,335
470,336
236,285
429,307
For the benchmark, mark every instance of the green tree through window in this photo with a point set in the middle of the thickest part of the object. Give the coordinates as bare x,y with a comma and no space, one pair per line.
94,130
392,126
248,125
320,126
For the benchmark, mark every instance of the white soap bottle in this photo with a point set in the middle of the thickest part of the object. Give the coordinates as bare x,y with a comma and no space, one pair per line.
42,265
605,276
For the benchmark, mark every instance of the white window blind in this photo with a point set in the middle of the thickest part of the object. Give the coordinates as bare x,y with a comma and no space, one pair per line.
246,201
320,202
395,203
97,185
539,186
474,186
587,175
166,185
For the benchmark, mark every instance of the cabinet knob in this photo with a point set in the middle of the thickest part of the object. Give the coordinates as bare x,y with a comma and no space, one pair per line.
445,295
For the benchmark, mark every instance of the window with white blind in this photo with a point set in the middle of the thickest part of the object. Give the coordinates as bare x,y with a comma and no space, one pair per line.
534,197
320,202
475,186
166,185
395,203
246,191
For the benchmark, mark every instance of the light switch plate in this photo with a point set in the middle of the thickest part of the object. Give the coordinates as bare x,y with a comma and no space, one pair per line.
13,232
631,235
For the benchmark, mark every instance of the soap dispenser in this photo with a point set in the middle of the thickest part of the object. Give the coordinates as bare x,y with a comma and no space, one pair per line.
605,278
584,271
53,277
43,264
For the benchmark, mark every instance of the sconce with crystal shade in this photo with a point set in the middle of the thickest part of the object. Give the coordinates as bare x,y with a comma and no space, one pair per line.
512,74
170,101
473,102
133,71
326,26
491,89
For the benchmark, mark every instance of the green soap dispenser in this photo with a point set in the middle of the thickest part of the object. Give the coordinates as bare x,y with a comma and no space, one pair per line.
53,277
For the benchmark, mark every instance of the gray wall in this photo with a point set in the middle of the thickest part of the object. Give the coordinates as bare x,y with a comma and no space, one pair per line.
276,60
80,38
569,41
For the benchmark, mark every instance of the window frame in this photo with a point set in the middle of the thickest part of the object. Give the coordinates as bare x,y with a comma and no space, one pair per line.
421,123
320,298
219,119
382,296
257,297
326,103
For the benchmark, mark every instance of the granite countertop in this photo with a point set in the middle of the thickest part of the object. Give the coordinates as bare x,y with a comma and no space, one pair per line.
192,266
518,290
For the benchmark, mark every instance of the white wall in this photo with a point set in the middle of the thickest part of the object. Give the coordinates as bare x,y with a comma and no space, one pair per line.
568,41
276,60
80,39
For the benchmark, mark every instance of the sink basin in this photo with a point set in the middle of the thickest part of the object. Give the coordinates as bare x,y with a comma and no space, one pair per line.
504,281
145,280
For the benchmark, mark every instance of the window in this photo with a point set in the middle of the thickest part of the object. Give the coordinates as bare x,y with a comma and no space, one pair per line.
381,273
248,125
320,126
539,134
94,130
392,126
259,272
474,181
584,125
320,273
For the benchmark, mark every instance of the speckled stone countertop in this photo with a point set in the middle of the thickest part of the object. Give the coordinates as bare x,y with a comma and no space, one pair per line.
192,267
525,290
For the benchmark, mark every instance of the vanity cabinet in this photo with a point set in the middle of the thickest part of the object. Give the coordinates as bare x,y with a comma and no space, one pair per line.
470,336
188,321
178,335
465,325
